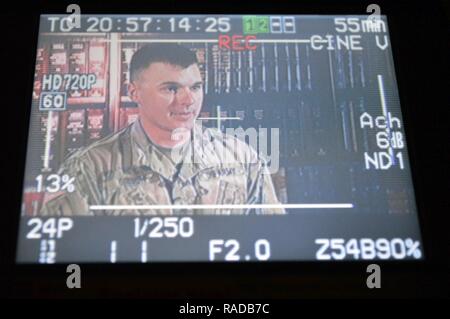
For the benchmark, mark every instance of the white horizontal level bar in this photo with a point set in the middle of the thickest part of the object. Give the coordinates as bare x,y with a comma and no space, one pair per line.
216,118
244,206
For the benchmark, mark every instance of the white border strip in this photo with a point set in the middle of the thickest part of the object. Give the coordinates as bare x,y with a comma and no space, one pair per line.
182,40
48,137
385,113
215,40
382,96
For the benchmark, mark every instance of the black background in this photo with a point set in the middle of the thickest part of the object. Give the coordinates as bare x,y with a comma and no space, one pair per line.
420,40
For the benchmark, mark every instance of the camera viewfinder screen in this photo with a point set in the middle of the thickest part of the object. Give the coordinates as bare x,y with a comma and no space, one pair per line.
212,138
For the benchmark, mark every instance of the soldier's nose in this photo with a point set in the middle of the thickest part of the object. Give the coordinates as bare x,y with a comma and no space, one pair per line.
185,96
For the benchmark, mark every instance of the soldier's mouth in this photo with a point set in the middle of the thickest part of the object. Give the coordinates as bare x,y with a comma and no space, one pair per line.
183,116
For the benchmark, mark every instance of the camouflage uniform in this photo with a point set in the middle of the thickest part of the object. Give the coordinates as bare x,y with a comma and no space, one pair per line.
126,168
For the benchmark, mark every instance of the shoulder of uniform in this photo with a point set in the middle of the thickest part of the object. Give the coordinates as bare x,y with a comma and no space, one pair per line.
231,142
100,148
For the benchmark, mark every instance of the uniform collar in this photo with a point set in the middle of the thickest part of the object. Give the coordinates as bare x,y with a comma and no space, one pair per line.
145,153
197,157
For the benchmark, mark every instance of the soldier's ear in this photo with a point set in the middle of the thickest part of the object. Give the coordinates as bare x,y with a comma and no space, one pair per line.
133,92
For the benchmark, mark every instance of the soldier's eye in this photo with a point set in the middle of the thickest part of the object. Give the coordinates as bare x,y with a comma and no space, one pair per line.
196,87
172,89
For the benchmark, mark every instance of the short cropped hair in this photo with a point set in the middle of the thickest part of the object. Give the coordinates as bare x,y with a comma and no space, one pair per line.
170,53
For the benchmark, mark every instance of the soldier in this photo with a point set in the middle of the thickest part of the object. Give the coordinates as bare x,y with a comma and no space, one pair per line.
165,157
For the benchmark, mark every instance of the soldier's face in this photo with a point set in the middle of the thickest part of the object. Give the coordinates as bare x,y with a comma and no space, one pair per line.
169,96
